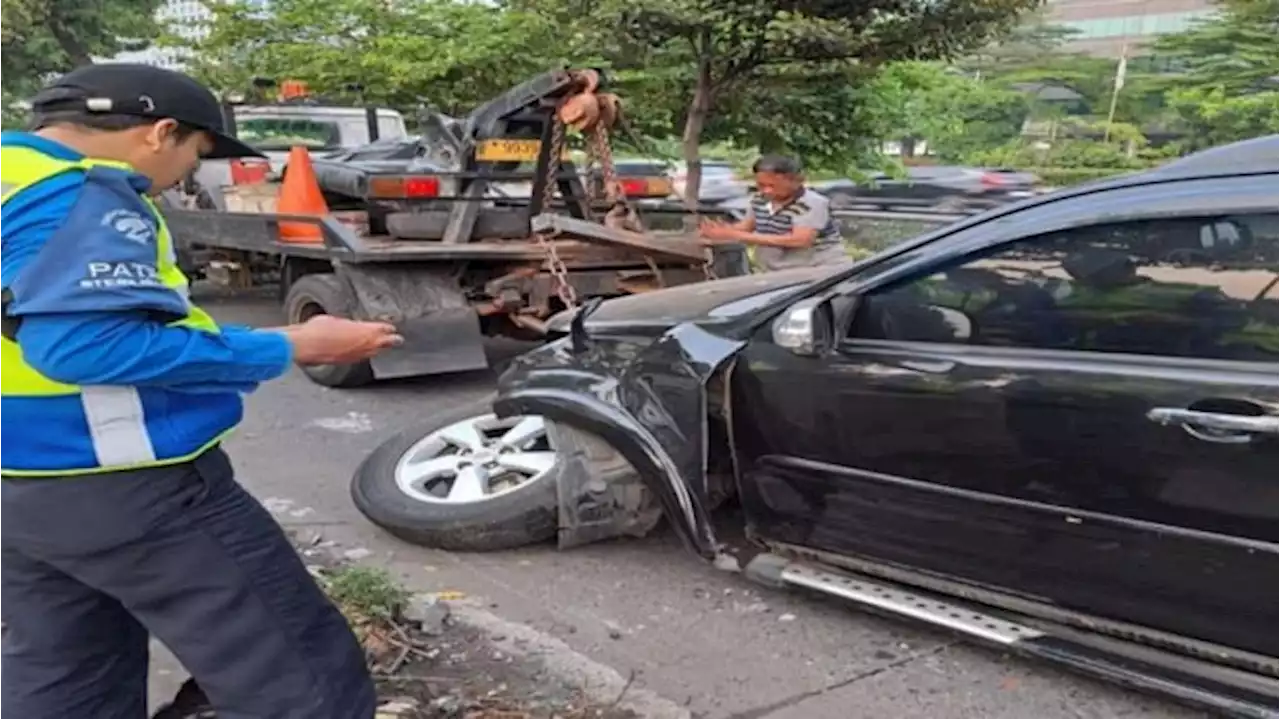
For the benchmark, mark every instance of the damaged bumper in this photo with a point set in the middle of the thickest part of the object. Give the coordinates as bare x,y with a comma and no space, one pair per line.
646,397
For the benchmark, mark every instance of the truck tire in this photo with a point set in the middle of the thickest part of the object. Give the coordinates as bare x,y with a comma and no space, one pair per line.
516,516
319,294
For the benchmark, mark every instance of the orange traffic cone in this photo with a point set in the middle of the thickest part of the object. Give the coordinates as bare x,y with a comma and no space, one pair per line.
300,195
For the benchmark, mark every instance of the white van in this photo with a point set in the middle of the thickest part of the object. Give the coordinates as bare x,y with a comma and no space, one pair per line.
274,129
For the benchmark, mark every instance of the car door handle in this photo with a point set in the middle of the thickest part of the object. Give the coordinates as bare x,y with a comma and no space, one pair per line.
1216,426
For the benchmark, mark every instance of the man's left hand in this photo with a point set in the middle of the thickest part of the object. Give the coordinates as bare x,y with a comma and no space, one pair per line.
714,232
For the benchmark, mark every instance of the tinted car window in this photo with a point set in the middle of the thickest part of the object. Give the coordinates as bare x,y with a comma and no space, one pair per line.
1179,287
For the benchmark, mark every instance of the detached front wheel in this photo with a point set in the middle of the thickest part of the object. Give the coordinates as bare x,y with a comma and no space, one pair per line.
465,480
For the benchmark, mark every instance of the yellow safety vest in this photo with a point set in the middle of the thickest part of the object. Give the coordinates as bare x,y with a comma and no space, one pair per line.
119,433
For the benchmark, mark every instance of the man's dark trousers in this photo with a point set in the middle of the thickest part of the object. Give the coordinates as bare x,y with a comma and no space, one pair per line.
93,564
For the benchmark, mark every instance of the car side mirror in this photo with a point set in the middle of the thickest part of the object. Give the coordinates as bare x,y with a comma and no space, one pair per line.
806,328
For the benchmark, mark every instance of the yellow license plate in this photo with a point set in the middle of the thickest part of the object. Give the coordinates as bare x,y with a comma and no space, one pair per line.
510,151
659,187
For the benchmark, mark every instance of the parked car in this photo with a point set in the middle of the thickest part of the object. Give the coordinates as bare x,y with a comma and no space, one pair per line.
720,182
940,188
642,179
1051,428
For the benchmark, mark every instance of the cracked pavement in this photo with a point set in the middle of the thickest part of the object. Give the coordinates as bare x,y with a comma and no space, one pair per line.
723,647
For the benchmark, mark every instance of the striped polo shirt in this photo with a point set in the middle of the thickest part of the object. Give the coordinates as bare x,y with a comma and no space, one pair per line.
810,209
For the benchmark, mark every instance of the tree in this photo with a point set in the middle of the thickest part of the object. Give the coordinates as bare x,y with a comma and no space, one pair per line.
953,112
1235,50
41,38
1226,90
713,51
453,55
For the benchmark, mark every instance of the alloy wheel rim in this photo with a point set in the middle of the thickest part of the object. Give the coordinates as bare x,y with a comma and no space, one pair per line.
476,460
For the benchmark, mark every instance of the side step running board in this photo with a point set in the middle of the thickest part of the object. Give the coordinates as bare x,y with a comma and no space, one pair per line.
1228,691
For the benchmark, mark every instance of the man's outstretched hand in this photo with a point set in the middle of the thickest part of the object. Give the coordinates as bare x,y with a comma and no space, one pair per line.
325,339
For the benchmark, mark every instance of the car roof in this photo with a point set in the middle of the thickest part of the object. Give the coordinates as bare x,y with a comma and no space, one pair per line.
1246,157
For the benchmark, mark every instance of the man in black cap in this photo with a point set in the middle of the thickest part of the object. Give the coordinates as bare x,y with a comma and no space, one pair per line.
122,517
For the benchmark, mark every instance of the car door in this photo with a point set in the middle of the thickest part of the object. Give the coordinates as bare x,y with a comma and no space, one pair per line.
1077,411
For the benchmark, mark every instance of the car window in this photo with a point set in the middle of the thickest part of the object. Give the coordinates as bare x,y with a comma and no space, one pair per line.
283,133
1181,287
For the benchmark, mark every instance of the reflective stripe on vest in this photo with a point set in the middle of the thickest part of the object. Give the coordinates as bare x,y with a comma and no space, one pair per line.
114,415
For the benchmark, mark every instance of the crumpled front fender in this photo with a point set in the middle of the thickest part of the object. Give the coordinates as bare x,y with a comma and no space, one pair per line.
647,399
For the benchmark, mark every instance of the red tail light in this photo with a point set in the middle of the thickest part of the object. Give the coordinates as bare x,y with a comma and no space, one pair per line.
404,188
422,187
634,187
991,179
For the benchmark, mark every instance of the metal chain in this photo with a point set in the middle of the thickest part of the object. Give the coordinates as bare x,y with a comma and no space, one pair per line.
589,183
598,142
601,138
559,272
553,164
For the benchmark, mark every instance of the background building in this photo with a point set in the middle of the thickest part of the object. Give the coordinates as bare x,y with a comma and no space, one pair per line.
1105,27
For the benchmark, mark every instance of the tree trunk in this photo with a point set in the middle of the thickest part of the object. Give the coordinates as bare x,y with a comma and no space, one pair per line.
691,140
70,44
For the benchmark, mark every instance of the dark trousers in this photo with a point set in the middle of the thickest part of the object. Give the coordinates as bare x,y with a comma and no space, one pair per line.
93,565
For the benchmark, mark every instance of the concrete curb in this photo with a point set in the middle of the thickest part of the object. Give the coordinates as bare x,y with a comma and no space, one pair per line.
599,683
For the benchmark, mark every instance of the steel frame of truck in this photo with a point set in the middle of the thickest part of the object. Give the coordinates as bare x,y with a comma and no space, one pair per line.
467,270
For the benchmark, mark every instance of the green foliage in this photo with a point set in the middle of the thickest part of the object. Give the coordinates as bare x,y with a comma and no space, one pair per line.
1063,177
954,112
365,592
13,115
42,38
1212,118
1235,51
1066,153
783,76
1226,90
451,55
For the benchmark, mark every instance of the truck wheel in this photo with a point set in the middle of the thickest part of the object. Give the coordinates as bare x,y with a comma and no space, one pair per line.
464,480
323,294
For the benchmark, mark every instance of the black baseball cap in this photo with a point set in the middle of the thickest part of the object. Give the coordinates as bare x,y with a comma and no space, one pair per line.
141,91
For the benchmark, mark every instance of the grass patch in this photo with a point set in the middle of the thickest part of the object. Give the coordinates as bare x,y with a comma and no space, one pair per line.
365,592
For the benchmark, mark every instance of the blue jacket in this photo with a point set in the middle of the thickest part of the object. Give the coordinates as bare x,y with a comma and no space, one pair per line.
81,334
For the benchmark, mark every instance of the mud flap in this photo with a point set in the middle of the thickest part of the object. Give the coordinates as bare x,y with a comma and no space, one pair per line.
441,331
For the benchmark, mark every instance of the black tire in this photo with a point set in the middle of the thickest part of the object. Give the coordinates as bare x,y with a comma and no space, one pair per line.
524,516
325,294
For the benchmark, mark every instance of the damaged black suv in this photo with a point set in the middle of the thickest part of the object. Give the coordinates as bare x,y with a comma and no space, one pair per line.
1051,427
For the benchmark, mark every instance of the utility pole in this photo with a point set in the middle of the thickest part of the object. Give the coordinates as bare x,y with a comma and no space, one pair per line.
1121,68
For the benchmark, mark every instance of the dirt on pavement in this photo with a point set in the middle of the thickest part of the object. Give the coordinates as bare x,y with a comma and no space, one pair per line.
429,665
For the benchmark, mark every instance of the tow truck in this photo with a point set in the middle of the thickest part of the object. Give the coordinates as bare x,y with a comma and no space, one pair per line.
427,233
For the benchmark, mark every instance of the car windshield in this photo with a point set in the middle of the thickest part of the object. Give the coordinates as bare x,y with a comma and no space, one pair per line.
282,133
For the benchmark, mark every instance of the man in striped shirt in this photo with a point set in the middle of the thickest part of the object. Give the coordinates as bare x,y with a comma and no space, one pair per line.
788,224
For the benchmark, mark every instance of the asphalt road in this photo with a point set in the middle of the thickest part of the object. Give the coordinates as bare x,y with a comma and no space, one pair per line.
686,631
